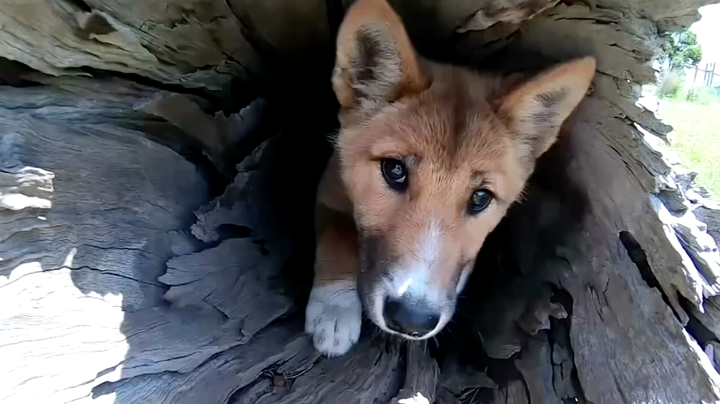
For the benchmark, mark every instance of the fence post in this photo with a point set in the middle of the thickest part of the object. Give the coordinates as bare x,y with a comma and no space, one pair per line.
712,76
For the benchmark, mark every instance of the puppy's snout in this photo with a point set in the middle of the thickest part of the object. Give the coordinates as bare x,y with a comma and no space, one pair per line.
415,319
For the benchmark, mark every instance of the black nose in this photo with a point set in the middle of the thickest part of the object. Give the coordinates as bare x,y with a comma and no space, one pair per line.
409,318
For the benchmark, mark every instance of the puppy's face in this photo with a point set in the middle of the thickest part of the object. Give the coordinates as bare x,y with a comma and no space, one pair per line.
432,158
430,176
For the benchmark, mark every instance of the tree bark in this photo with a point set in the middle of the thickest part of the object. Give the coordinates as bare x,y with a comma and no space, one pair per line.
157,170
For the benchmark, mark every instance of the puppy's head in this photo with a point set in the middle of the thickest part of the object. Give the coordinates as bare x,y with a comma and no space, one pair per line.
432,156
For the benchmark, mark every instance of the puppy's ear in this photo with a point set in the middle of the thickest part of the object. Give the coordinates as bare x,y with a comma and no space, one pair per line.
375,61
537,108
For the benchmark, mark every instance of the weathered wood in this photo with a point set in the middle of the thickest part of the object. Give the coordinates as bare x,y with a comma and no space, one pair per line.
81,254
163,41
710,316
370,372
225,140
534,365
421,377
131,274
709,214
235,278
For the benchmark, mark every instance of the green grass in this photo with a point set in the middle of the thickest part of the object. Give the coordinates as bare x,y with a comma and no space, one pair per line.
696,138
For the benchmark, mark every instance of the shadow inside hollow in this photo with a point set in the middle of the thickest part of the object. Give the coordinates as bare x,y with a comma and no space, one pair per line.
496,315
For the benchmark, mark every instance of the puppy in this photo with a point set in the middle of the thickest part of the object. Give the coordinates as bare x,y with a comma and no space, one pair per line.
428,159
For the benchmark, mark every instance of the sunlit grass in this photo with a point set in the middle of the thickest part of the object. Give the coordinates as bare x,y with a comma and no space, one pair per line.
696,137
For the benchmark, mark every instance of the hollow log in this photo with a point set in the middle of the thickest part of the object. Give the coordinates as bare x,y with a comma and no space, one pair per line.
158,164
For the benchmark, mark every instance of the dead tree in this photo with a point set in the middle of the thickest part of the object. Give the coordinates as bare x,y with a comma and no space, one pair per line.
157,170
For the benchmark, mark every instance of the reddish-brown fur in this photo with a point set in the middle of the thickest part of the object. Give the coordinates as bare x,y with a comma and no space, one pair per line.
456,131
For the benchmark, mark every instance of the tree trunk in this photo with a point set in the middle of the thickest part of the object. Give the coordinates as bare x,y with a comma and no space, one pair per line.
158,163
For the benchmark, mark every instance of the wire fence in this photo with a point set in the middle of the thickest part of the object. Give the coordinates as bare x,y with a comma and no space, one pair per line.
703,76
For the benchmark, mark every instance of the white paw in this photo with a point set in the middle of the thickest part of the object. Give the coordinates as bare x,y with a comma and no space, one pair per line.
333,317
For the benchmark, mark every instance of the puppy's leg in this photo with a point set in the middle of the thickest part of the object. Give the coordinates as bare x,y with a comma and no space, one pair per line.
334,313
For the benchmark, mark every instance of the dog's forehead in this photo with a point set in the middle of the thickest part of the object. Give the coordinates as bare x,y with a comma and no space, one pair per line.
450,123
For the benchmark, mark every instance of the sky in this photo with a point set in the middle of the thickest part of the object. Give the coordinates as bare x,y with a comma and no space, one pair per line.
708,30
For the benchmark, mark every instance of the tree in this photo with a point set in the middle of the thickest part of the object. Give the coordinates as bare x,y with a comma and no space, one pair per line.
681,48
142,261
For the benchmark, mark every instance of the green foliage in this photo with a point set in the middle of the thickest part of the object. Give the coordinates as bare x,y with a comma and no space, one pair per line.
694,54
701,96
679,49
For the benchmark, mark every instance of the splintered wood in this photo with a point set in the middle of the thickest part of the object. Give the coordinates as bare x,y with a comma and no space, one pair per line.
156,233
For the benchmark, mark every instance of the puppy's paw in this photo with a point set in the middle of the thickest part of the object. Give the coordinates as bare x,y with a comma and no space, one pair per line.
333,317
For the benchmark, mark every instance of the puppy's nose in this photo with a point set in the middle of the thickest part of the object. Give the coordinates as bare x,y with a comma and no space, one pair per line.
410,318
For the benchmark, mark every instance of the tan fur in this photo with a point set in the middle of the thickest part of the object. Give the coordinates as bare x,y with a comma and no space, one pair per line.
377,20
456,131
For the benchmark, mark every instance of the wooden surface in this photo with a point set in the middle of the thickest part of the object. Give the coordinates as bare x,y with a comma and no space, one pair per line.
156,183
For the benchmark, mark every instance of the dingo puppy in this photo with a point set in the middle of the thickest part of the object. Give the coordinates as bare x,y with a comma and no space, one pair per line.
428,159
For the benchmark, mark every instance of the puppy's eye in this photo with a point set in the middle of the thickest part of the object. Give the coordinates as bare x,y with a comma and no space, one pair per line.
479,201
395,174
